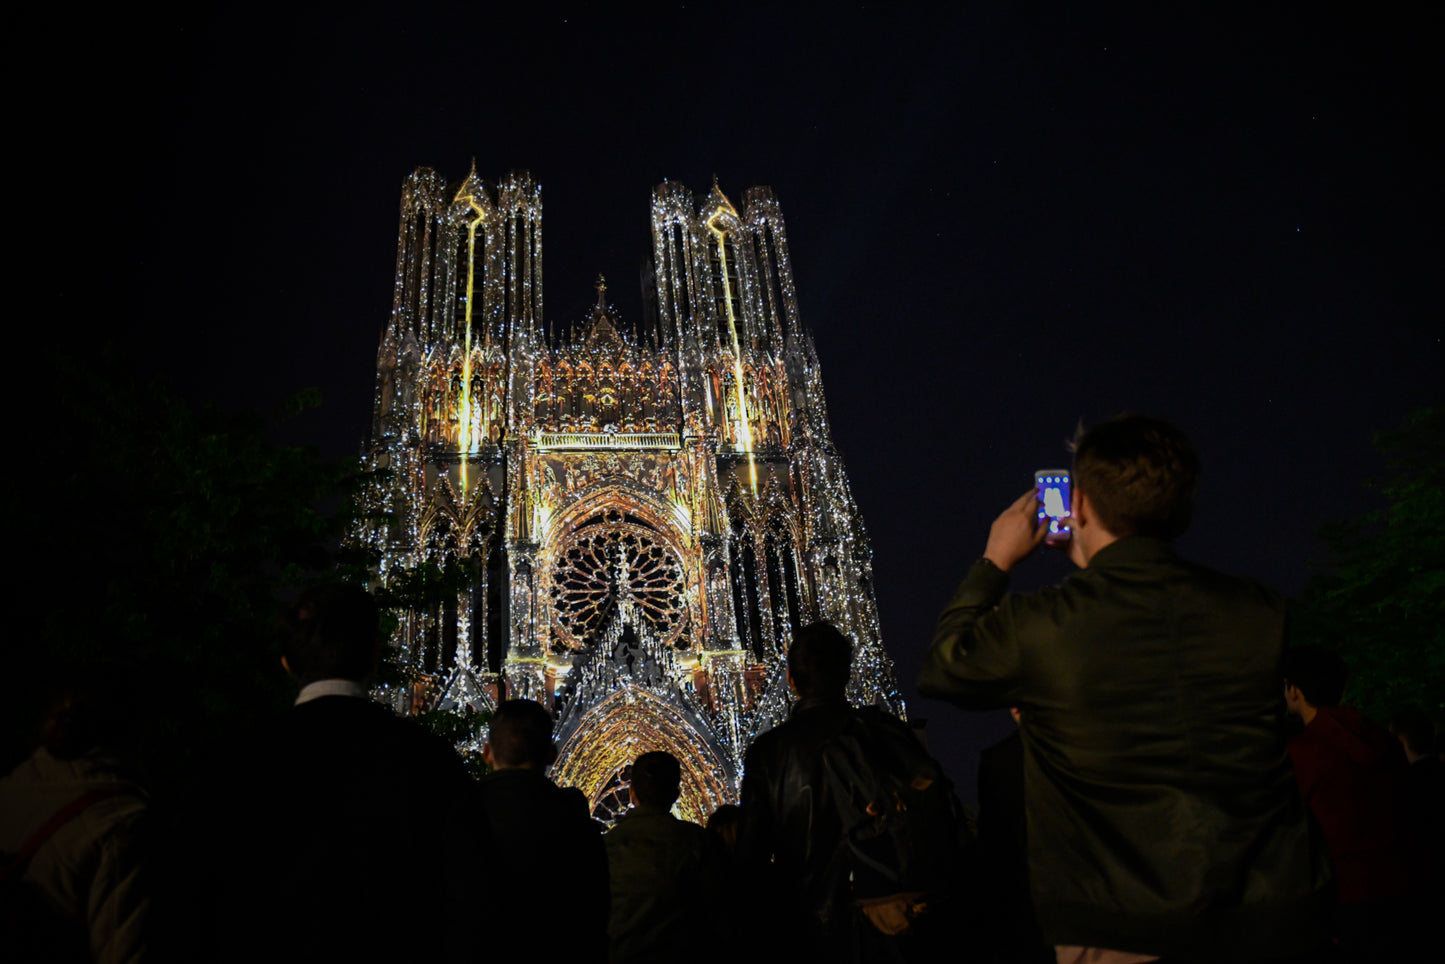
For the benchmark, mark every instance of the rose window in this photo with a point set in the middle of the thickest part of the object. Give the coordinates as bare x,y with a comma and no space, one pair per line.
594,563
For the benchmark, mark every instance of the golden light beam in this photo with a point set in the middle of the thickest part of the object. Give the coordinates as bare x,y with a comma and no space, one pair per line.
464,413
742,430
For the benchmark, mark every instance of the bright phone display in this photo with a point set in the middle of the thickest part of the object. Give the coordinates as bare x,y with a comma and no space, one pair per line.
1053,489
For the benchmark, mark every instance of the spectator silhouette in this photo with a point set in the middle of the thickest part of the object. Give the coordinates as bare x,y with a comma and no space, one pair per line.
340,832
1424,792
73,883
1162,817
803,815
547,847
725,821
665,874
1352,774
1011,930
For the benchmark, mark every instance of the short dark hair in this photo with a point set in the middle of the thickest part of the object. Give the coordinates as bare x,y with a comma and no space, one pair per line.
1140,475
1415,727
656,779
521,734
85,709
726,819
1317,672
332,633
820,659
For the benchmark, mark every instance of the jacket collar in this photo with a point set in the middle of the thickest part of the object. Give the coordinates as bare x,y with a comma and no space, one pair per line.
330,687
813,704
644,810
1132,550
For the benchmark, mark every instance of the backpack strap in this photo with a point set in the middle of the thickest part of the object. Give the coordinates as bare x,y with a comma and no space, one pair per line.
47,830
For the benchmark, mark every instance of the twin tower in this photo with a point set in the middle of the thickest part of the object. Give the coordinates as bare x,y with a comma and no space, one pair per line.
636,517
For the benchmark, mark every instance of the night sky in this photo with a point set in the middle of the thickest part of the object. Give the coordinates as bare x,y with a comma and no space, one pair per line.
1001,221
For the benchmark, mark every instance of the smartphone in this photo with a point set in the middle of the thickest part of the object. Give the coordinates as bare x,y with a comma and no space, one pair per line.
1053,490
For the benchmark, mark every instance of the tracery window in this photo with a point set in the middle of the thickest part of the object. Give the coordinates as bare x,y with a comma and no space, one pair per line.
601,556
616,798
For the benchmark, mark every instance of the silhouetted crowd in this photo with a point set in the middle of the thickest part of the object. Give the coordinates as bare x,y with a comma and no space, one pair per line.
1180,787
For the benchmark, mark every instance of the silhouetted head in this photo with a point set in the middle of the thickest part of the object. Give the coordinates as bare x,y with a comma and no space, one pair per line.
332,633
84,711
1414,728
521,736
1140,475
1317,673
724,822
656,779
820,661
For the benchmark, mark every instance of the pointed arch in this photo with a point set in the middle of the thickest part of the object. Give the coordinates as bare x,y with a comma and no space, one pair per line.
632,721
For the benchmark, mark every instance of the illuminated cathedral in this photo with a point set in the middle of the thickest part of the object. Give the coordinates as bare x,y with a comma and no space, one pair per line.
648,511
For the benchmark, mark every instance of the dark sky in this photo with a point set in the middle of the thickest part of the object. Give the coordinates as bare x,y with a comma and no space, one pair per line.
1001,220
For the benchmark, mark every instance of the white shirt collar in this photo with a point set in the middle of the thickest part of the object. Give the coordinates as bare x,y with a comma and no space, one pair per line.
330,687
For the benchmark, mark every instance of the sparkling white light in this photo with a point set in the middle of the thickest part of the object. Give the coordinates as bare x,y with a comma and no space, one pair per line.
652,510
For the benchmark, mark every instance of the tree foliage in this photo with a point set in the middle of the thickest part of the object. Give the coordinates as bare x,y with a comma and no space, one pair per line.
463,728
165,537
426,588
1380,599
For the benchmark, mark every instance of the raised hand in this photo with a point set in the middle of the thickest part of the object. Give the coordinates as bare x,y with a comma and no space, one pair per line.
1016,532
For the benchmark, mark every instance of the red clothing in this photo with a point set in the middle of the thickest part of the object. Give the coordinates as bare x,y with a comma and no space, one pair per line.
1352,774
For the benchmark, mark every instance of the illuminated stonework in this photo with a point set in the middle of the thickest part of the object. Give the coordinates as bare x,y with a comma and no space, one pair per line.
652,509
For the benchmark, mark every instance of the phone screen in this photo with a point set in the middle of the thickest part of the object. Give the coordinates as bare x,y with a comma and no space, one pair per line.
1053,489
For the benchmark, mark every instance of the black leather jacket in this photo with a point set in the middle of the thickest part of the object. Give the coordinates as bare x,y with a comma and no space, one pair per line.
543,833
1162,812
782,821
789,823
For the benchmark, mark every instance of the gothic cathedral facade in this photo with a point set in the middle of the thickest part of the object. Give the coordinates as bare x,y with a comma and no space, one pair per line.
647,512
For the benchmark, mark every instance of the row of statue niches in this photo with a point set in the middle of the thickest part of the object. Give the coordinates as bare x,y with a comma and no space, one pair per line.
568,413
447,416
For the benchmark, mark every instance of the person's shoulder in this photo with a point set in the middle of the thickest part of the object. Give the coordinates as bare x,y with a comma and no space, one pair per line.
40,785
1367,742
695,837
402,741
767,744
809,725
1239,588
530,794
319,718
364,716
877,718
520,780
1046,602
620,831
633,825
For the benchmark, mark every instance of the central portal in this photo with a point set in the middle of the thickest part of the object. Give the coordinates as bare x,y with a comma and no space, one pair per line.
597,755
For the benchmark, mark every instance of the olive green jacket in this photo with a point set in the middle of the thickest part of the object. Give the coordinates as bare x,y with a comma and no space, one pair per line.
1163,816
665,877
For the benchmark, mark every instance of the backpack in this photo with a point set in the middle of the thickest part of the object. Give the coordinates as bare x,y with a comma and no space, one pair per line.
903,828
32,928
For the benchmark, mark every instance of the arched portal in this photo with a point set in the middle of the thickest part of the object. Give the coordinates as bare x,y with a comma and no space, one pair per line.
628,723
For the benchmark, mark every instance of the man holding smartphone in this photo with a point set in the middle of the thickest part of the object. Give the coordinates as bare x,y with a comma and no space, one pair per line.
1163,820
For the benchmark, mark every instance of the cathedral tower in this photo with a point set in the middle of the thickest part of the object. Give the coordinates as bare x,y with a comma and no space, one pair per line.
644,517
